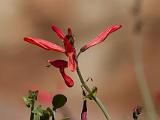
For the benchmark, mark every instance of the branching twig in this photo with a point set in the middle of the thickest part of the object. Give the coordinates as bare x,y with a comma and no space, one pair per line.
98,102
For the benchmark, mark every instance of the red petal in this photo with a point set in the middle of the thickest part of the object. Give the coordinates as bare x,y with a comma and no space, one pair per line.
58,63
58,32
101,37
44,44
84,116
72,64
68,46
68,80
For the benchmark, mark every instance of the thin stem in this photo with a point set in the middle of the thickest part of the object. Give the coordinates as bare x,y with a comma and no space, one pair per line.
95,98
141,79
53,116
79,54
32,114
82,80
138,62
101,106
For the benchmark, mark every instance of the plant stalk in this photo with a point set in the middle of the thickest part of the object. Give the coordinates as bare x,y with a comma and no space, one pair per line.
138,62
32,114
53,116
95,98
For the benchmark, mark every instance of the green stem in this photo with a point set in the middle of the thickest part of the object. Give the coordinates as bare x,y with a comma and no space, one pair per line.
95,98
141,79
53,116
32,114
138,61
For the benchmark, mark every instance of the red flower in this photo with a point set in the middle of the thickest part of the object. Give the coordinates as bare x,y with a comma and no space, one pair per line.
101,37
84,111
61,64
69,49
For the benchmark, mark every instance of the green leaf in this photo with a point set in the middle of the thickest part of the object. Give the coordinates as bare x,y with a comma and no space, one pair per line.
36,117
92,93
58,101
28,101
31,98
67,118
46,115
38,111
41,113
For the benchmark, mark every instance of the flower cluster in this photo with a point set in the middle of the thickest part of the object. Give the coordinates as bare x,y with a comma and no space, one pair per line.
68,50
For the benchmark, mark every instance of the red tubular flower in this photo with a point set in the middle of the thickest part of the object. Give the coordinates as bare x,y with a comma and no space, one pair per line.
101,37
84,111
68,41
61,64
44,44
68,80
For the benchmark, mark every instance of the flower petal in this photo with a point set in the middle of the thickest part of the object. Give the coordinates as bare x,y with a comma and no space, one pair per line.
62,64
72,64
58,32
101,37
68,46
59,63
70,50
68,80
84,111
44,44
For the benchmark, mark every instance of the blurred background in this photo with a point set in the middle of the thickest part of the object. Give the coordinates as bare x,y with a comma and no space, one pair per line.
110,64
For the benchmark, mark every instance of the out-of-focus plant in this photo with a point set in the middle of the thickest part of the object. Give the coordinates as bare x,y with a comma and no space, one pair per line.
138,61
40,113
137,111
